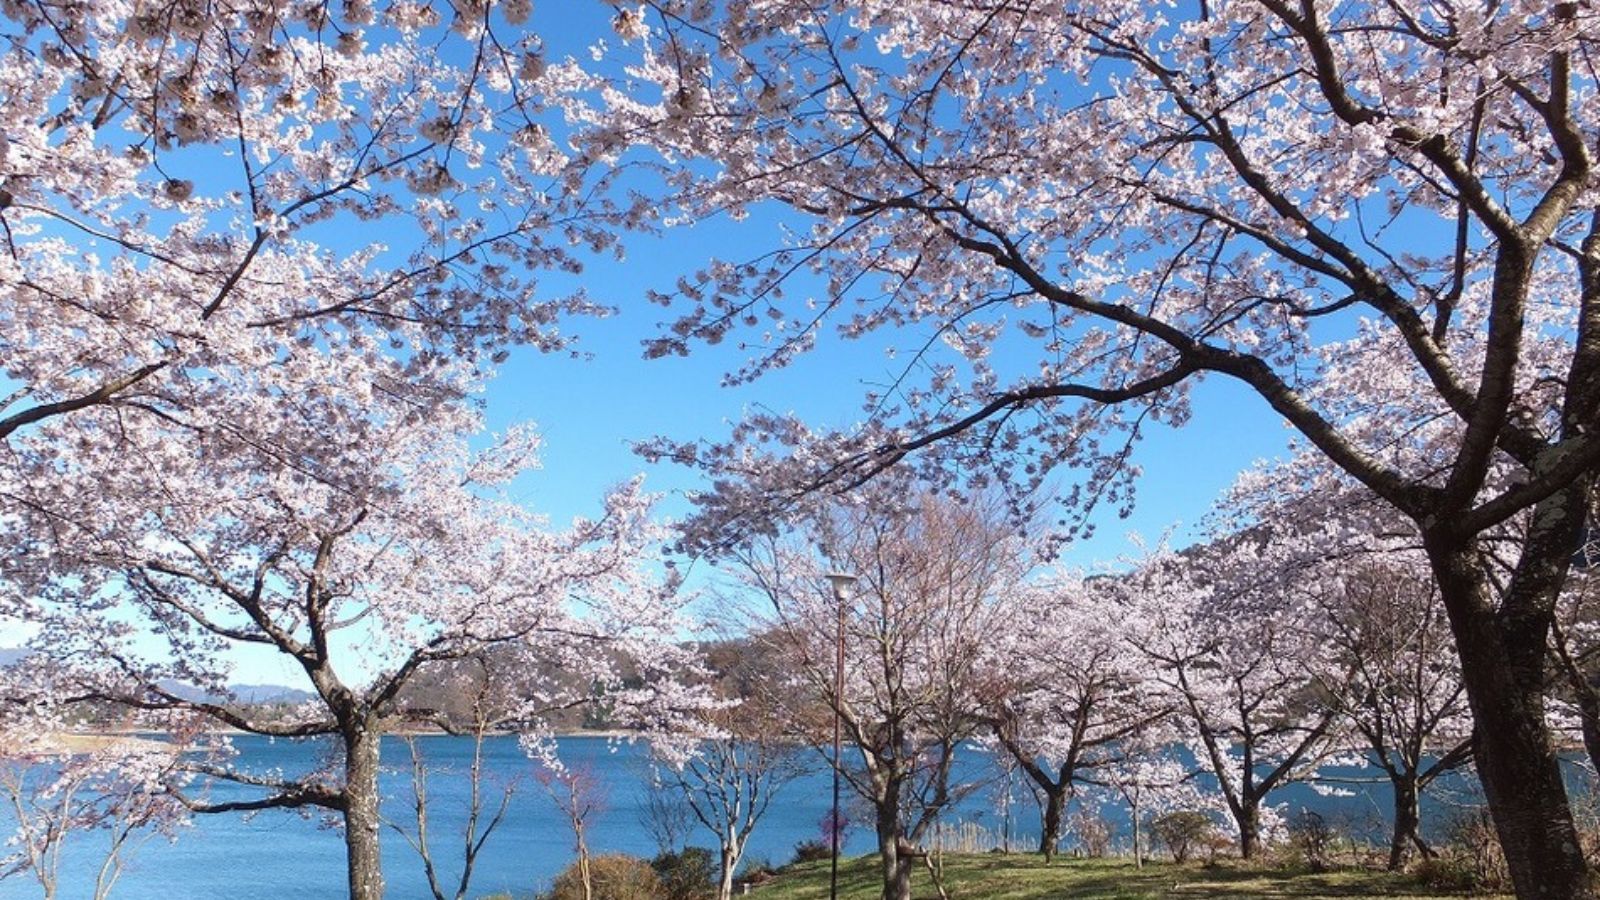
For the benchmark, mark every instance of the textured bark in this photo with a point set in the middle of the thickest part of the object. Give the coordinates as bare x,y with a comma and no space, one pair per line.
1050,835
361,819
1522,781
895,857
1407,825
1248,818
1503,657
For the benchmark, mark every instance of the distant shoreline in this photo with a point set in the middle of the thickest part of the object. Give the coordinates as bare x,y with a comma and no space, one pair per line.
73,743
156,736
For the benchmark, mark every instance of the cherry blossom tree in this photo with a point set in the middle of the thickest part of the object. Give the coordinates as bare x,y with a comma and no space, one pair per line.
1396,681
1379,218
1070,693
192,199
67,792
103,796
410,559
1388,665
934,577
1153,783
257,261
730,769
1227,646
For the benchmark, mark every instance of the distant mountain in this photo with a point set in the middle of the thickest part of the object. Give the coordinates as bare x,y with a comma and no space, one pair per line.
270,693
244,694
247,694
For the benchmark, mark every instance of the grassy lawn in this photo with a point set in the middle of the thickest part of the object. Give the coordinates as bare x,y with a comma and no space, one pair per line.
1026,877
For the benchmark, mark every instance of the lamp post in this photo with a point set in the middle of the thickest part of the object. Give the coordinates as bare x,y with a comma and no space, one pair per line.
842,584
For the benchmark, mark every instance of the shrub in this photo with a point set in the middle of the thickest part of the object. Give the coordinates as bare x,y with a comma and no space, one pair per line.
1351,827
1217,843
615,876
1586,815
1183,832
756,870
810,851
1311,838
1445,873
1473,847
690,874
1092,832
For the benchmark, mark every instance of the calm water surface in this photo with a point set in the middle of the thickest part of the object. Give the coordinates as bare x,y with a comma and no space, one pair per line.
278,854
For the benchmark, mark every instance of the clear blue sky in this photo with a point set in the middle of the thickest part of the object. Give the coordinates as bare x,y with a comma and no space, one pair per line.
589,410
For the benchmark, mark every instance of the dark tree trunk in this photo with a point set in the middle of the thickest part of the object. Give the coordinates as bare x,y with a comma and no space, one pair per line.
1589,716
1407,824
1522,782
1248,818
1503,668
1521,778
1054,787
1050,834
361,820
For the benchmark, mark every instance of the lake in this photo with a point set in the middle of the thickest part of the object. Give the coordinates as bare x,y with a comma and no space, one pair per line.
277,854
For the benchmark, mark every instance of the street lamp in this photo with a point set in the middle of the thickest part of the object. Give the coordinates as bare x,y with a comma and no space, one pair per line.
842,584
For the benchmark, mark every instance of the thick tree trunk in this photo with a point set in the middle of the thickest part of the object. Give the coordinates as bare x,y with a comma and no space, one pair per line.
1589,717
1521,778
1407,821
899,885
361,821
894,862
1050,832
1248,818
1503,667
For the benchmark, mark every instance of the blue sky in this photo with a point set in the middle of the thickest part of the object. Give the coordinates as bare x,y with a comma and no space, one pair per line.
590,409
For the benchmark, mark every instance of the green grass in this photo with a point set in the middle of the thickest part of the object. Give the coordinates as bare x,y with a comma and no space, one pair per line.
1026,877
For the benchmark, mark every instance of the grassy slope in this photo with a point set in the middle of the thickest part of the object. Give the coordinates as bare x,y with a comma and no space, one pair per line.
1025,877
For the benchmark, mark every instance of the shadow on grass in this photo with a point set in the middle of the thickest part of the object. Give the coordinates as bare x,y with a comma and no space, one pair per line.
858,880
1218,882
1026,877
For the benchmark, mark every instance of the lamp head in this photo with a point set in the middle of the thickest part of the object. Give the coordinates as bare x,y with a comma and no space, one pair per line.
842,583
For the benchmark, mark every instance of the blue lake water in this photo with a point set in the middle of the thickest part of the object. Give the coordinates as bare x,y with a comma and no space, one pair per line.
278,854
